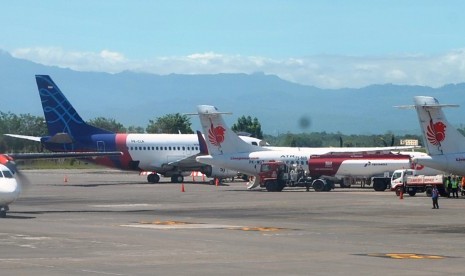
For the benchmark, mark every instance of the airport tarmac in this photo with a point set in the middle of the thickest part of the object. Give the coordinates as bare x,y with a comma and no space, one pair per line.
103,222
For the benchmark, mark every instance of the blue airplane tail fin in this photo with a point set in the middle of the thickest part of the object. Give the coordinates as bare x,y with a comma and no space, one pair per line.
60,115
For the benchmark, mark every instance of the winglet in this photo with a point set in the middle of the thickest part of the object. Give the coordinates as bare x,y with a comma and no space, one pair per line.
202,143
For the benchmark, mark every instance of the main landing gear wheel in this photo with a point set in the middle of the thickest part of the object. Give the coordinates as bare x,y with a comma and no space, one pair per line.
177,178
153,178
3,210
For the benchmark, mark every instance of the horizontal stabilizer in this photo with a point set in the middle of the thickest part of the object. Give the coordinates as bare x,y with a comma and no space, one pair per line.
25,137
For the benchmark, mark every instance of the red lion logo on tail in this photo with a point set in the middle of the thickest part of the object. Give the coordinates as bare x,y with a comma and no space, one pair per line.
216,135
436,133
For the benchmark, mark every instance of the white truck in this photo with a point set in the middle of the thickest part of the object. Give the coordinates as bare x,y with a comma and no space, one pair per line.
407,181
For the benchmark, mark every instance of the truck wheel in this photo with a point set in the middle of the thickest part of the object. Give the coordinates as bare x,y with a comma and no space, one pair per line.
319,185
343,185
271,186
280,186
412,192
398,190
379,185
328,186
429,191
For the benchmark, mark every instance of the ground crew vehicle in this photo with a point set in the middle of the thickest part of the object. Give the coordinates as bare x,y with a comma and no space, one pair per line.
275,175
406,181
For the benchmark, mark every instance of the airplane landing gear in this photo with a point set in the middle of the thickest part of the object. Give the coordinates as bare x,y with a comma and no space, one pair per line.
3,210
153,178
177,178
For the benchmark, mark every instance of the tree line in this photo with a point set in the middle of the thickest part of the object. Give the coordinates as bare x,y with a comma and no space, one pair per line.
27,124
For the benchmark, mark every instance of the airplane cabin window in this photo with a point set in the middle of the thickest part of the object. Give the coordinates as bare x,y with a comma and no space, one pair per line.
183,148
7,174
166,148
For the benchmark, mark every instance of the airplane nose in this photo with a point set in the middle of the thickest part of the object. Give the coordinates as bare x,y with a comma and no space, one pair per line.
9,190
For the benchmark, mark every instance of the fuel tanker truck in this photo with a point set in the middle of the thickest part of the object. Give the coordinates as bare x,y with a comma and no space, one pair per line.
321,172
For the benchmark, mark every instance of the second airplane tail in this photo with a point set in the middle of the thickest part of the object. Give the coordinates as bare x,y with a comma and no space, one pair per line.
439,136
219,138
60,115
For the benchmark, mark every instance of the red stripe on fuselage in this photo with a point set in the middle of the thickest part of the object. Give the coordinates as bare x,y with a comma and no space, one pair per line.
120,141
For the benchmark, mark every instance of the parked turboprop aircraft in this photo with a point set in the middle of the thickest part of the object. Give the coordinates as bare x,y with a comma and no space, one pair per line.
11,182
444,143
225,149
171,155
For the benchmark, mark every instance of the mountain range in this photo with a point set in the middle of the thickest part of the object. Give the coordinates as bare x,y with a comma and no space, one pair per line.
281,106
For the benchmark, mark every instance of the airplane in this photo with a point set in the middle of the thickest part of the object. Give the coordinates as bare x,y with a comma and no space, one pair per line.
171,155
222,147
444,144
11,181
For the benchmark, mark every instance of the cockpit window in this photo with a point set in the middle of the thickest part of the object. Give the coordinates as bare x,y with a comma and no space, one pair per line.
7,174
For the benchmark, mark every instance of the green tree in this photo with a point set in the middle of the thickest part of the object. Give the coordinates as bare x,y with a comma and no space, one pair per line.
23,124
246,124
135,129
107,124
170,123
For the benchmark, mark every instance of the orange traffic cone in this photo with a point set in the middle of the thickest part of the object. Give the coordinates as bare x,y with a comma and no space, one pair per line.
65,179
217,182
401,196
182,188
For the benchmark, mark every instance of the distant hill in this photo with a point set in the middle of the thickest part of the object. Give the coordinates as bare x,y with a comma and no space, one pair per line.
135,98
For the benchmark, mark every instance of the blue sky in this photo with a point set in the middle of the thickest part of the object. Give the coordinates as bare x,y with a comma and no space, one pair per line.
328,44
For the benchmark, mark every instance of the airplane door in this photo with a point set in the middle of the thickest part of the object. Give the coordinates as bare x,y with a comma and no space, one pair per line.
100,146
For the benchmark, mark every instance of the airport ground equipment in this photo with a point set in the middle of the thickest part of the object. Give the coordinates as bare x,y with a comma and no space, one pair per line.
407,181
275,175
339,168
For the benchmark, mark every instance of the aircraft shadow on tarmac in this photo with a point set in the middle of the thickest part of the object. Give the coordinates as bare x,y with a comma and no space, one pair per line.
109,183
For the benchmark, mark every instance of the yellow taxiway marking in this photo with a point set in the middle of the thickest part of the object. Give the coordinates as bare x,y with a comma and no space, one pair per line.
260,229
403,256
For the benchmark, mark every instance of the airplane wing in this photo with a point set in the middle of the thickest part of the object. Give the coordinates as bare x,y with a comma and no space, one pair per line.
188,163
53,155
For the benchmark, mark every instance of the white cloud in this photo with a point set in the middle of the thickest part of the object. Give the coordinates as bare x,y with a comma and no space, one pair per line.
321,71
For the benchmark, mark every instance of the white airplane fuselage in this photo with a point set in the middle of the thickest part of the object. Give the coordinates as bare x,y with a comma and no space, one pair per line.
159,152
9,187
249,162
